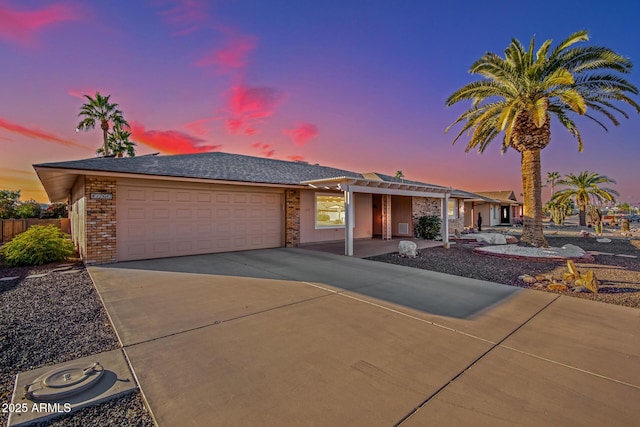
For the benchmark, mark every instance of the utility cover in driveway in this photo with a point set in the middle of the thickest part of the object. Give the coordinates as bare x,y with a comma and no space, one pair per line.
50,391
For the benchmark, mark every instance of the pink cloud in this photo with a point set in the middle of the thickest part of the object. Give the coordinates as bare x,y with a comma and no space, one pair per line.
20,26
248,105
265,149
170,141
186,16
301,134
36,134
295,158
198,127
254,102
232,56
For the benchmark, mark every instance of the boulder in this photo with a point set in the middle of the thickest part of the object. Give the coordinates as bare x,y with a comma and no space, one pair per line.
407,248
603,240
491,238
572,251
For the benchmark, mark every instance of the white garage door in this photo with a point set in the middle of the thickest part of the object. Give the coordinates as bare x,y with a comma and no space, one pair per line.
158,222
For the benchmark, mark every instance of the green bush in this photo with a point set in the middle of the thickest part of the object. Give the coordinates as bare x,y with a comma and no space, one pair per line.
428,227
38,245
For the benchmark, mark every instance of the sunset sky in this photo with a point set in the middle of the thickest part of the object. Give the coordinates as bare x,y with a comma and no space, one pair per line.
354,84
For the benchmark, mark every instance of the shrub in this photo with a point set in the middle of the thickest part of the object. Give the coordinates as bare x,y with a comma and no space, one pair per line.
38,245
428,227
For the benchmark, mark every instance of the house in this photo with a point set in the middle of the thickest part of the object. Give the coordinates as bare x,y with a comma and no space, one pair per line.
161,206
495,207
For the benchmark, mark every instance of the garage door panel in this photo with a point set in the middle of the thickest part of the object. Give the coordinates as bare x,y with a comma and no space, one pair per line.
155,223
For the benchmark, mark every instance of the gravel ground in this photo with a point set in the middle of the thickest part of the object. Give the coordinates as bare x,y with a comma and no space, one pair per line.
619,276
52,319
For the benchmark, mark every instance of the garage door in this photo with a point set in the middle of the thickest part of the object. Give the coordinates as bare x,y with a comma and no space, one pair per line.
164,222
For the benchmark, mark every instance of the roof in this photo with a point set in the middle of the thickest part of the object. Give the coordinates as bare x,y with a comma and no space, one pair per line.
215,166
59,177
503,196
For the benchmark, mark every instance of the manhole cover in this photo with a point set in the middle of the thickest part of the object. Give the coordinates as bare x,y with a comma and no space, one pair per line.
64,382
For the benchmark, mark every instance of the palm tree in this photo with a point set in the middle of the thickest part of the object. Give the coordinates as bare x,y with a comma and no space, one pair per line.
119,143
585,190
552,178
520,93
99,109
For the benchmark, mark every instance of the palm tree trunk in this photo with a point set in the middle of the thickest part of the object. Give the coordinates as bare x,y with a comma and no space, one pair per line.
105,134
582,215
532,189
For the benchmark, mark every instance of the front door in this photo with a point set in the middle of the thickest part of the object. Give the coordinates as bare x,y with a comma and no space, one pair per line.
505,218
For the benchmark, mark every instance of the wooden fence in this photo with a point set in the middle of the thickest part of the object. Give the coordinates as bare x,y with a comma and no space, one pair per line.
9,228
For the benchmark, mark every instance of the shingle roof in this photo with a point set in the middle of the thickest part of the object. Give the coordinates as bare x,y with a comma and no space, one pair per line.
505,196
216,165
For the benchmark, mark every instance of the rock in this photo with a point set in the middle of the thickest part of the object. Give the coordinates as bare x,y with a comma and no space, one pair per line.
572,251
407,248
557,287
603,240
580,289
511,239
526,278
541,278
491,238
540,284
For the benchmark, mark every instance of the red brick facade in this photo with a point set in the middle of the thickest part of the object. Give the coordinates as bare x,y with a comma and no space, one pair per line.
100,219
292,218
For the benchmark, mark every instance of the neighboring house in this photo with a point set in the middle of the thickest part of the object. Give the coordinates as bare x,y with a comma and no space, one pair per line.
495,207
161,206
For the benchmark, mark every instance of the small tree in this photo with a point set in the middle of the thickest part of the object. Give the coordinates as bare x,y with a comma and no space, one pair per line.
28,209
56,210
8,202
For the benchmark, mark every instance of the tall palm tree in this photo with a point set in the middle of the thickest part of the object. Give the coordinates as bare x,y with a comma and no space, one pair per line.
119,143
584,188
552,179
99,109
520,93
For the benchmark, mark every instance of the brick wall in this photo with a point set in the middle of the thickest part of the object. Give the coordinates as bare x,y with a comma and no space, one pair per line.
292,218
100,231
422,206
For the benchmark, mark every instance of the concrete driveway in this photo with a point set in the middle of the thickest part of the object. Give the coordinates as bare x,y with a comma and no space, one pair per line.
295,337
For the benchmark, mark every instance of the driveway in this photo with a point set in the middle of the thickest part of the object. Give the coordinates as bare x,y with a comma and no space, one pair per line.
296,337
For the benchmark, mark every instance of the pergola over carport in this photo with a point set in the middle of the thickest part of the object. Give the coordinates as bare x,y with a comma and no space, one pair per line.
351,185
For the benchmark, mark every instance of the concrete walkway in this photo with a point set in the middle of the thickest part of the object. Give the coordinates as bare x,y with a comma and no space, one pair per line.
294,337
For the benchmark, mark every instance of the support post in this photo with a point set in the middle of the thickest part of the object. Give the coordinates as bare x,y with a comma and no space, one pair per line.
348,221
445,220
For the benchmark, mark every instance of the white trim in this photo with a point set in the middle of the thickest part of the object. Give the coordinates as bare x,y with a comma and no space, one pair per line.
395,192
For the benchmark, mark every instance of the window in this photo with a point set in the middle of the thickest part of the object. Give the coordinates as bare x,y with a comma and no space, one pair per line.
452,208
329,211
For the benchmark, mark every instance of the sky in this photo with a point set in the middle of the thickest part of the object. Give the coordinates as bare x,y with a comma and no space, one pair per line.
353,84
